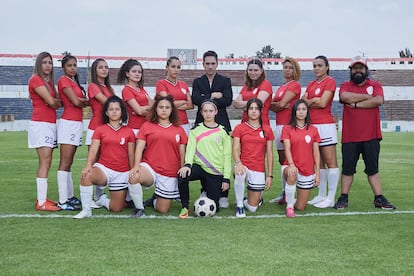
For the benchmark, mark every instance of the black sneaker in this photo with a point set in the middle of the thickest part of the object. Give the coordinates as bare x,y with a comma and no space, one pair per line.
74,201
149,202
383,203
342,202
67,206
261,201
138,213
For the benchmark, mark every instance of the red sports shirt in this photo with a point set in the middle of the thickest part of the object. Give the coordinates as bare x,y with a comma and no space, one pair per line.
41,111
70,112
179,91
283,117
316,89
96,106
141,96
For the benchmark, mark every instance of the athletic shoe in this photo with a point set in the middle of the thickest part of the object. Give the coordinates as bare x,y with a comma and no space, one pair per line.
83,214
47,206
316,200
327,203
224,202
342,202
74,201
261,201
149,202
290,212
383,203
184,213
95,205
101,200
278,198
51,201
240,212
138,213
129,204
282,201
68,207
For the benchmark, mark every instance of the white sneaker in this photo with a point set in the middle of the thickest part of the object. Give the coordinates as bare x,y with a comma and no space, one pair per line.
240,212
102,199
224,202
95,205
83,214
327,203
315,200
278,198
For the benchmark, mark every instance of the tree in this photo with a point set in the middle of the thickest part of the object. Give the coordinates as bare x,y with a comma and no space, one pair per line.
406,54
268,52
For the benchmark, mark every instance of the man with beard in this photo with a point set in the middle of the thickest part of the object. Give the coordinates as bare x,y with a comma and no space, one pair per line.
361,131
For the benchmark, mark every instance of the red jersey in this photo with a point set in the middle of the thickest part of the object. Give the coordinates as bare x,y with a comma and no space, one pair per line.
316,89
265,86
179,91
253,143
283,117
70,112
361,124
113,153
96,106
41,111
135,121
301,147
162,147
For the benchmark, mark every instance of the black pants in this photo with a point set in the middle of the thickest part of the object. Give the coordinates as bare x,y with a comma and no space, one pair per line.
210,183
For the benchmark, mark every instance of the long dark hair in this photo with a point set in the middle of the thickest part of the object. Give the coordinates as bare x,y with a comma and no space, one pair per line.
94,77
325,60
259,105
126,67
293,120
124,112
153,116
248,81
37,70
65,60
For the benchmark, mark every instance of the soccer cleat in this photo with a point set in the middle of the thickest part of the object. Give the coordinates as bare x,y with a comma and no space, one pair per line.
261,201
51,201
149,202
278,198
101,200
129,204
290,212
327,203
68,207
47,206
383,203
224,202
282,201
138,213
74,201
342,202
94,205
240,212
316,200
184,213
83,214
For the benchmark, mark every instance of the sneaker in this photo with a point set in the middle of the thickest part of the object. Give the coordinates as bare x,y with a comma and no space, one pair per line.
290,212
316,200
184,213
137,213
278,198
224,202
327,203
95,205
240,212
68,207
282,201
261,201
83,214
149,202
102,200
47,206
74,201
342,203
129,204
383,203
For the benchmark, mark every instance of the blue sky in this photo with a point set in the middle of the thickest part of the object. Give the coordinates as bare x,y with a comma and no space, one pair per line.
298,28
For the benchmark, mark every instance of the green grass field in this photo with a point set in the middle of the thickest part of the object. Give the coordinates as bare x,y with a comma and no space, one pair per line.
359,240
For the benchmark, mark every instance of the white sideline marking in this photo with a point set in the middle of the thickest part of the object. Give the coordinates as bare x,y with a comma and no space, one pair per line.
339,213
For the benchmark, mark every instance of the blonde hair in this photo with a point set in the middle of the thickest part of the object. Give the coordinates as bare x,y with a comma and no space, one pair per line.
297,73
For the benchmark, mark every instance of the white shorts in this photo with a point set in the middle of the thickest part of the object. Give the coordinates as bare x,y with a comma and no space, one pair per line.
41,134
305,182
256,181
88,138
186,128
279,144
69,132
116,181
328,134
165,186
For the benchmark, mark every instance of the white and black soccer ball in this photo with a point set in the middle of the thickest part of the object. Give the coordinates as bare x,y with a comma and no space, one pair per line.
204,207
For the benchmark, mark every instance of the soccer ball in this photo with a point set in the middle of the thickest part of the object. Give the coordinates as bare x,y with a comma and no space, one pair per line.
204,207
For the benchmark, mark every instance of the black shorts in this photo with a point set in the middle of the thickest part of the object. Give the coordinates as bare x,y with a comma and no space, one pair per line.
370,153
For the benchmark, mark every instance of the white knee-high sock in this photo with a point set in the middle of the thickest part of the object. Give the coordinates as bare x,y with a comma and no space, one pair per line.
41,184
282,168
86,197
239,181
323,183
333,177
97,192
70,186
135,192
290,195
62,179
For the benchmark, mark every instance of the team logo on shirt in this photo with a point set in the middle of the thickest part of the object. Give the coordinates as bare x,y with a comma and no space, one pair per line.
317,91
218,140
183,90
177,138
261,134
307,139
255,91
281,93
122,142
370,90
